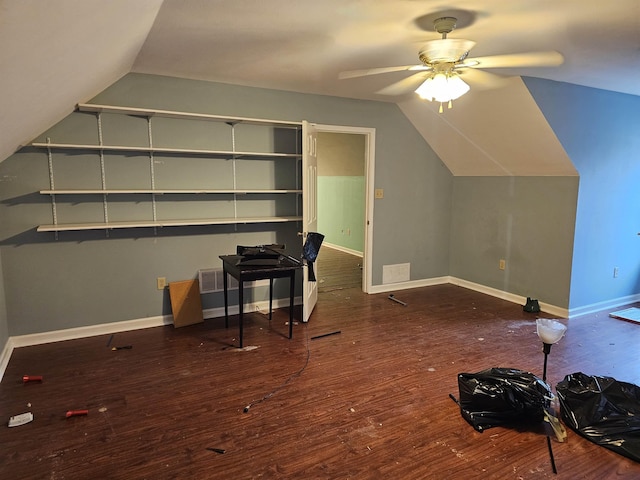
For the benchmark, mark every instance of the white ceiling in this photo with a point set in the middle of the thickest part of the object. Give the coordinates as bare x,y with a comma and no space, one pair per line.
57,53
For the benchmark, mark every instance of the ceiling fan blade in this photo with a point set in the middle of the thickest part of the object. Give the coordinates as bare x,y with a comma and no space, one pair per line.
482,80
376,71
530,59
405,85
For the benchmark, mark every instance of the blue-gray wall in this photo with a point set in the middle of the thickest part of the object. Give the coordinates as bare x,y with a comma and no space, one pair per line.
439,224
526,221
600,132
4,324
85,278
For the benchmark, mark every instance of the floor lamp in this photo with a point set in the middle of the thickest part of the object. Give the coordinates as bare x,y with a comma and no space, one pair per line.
550,332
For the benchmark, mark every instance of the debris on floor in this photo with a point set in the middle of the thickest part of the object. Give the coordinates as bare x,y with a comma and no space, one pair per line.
248,348
326,335
392,297
21,419
216,450
76,413
124,347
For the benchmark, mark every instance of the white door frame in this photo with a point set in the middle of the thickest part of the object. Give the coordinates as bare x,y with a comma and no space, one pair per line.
370,144
309,210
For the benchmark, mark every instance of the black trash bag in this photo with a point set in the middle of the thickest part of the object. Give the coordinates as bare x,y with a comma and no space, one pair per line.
310,251
603,410
502,397
532,305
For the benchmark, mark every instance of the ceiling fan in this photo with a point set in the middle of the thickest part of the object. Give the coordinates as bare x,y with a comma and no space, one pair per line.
445,63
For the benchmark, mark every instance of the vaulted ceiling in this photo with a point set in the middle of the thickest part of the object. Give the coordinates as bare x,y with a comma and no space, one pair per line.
58,53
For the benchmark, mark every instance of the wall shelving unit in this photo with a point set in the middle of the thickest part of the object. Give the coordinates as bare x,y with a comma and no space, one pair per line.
150,193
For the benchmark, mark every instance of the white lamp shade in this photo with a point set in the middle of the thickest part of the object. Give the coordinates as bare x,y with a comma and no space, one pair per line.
550,331
425,91
457,87
442,88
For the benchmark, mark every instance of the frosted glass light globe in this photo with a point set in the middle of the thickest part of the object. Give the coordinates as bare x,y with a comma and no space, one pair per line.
550,331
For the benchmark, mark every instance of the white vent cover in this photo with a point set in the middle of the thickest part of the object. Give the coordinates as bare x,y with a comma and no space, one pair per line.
212,280
396,273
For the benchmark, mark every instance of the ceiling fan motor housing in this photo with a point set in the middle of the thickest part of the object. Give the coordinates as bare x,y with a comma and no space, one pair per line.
445,50
444,25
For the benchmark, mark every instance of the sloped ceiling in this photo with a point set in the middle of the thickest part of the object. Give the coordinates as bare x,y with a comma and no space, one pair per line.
57,53
482,134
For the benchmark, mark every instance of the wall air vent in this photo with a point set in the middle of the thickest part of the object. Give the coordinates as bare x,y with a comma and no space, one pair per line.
211,280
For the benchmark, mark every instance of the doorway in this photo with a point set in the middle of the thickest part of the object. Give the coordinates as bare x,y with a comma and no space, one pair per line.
338,270
345,196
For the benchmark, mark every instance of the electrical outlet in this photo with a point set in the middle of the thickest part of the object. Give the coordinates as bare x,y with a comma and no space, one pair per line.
502,264
615,272
379,193
162,282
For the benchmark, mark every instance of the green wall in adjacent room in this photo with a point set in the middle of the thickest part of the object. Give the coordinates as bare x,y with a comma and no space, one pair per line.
341,209
341,189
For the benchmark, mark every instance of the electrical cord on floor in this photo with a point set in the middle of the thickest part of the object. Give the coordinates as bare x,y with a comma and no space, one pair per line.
284,384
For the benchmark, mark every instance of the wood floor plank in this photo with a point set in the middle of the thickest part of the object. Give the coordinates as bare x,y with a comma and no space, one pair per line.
337,270
369,402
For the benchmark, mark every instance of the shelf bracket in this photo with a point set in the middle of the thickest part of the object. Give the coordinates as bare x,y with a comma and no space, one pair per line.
103,179
235,183
152,174
54,211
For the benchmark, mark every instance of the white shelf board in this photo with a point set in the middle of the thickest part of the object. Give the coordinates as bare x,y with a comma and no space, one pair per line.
162,191
148,112
164,223
160,150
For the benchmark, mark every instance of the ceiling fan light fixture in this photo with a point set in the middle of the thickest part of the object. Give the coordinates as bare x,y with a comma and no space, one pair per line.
443,87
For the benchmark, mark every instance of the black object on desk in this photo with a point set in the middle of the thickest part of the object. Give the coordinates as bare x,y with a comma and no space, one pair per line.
245,269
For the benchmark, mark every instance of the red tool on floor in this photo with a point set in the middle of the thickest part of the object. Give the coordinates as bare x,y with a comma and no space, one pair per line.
76,413
31,378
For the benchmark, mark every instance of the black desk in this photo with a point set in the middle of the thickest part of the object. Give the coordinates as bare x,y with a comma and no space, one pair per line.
246,273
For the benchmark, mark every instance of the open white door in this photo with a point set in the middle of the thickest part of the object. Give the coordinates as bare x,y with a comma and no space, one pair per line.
310,209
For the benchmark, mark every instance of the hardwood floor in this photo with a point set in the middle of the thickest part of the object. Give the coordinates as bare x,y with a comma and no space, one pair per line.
338,270
370,402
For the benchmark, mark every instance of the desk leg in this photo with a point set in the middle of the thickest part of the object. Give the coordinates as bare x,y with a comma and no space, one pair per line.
270,297
226,299
240,306
292,290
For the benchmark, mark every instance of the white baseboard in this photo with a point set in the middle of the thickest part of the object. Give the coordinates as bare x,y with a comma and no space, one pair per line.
5,356
127,325
519,299
606,305
343,249
90,331
263,306
392,287
77,332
